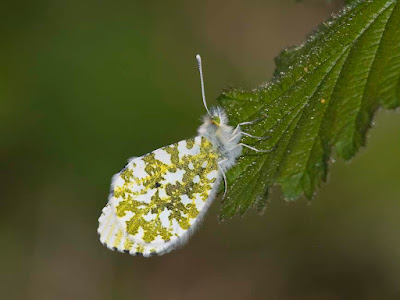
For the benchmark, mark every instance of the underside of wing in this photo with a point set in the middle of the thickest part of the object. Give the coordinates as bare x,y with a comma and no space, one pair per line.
157,200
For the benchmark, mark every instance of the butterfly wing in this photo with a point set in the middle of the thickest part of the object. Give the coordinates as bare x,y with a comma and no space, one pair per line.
159,198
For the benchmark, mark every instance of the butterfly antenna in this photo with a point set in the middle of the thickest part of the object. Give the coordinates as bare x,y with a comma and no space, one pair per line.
198,58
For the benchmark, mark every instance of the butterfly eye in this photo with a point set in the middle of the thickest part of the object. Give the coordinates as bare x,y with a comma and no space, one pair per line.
216,120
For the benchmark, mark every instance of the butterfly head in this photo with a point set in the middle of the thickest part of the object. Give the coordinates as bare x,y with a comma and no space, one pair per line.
216,125
217,117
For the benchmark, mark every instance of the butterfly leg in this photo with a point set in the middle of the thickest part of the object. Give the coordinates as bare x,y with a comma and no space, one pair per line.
256,137
246,123
252,122
224,176
235,131
249,135
254,149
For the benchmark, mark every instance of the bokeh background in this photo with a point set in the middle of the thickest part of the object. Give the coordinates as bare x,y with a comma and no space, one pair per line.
84,85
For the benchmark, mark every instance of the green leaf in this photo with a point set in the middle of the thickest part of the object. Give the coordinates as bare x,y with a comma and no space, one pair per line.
351,1
321,101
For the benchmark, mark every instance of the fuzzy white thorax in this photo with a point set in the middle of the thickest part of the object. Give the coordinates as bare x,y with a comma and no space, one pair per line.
216,129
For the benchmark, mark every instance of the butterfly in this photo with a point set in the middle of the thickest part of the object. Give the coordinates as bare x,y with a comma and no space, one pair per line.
158,200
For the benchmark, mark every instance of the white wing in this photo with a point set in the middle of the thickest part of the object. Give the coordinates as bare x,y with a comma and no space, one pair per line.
157,200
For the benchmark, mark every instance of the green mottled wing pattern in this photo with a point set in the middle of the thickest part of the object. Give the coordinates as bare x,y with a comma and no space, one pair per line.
157,199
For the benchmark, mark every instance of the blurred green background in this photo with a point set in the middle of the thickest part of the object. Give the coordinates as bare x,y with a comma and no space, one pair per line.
84,85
